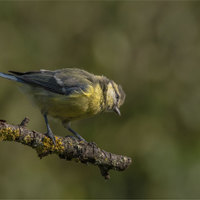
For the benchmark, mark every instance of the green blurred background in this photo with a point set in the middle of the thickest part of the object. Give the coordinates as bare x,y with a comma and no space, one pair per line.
153,50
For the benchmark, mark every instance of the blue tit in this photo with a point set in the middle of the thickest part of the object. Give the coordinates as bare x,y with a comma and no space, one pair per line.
69,94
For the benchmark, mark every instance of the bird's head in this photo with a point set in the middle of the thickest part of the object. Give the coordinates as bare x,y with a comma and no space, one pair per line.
115,97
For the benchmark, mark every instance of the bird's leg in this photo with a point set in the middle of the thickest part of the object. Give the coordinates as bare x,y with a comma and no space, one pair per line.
49,131
72,131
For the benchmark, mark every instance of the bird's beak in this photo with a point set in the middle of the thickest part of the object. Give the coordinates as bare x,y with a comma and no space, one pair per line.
117,111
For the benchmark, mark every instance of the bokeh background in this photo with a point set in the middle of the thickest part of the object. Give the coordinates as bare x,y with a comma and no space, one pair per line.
153,50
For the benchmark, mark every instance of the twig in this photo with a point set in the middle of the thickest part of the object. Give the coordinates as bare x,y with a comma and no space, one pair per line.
66,148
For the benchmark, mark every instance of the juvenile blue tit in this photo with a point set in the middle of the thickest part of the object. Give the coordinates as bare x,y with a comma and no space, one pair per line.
69,94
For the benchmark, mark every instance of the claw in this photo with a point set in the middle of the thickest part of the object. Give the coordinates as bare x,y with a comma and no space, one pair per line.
51,136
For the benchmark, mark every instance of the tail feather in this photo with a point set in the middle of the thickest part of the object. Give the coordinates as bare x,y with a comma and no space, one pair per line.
11,77
16,73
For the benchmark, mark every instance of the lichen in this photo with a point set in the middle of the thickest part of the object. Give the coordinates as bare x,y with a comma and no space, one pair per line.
9,134
48,146
27,139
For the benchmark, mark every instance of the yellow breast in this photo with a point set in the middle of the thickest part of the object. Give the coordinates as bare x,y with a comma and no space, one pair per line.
72,107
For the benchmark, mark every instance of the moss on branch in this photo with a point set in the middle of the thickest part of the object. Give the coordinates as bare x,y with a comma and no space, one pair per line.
66,147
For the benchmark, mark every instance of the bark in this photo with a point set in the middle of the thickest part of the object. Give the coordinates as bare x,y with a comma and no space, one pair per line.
66,148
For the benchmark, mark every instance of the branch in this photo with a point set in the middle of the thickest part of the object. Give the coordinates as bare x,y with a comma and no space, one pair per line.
66,147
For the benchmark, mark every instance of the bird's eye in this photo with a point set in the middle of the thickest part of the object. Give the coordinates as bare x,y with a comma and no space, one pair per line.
117,97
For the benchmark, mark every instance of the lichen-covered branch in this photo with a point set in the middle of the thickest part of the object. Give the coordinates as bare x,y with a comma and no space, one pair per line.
66,148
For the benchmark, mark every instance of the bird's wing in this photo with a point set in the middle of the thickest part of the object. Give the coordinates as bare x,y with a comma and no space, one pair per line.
65,81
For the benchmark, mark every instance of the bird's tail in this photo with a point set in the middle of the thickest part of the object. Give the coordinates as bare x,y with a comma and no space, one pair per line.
11,77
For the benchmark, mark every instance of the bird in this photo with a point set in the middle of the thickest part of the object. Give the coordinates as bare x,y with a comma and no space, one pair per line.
69,94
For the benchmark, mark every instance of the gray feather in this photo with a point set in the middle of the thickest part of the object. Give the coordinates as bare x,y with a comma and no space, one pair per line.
65,81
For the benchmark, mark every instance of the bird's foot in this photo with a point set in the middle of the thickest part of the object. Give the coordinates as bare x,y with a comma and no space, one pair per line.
76,138
71,136
50,135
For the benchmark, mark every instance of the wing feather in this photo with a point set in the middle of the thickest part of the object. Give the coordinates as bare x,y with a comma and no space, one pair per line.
65,81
